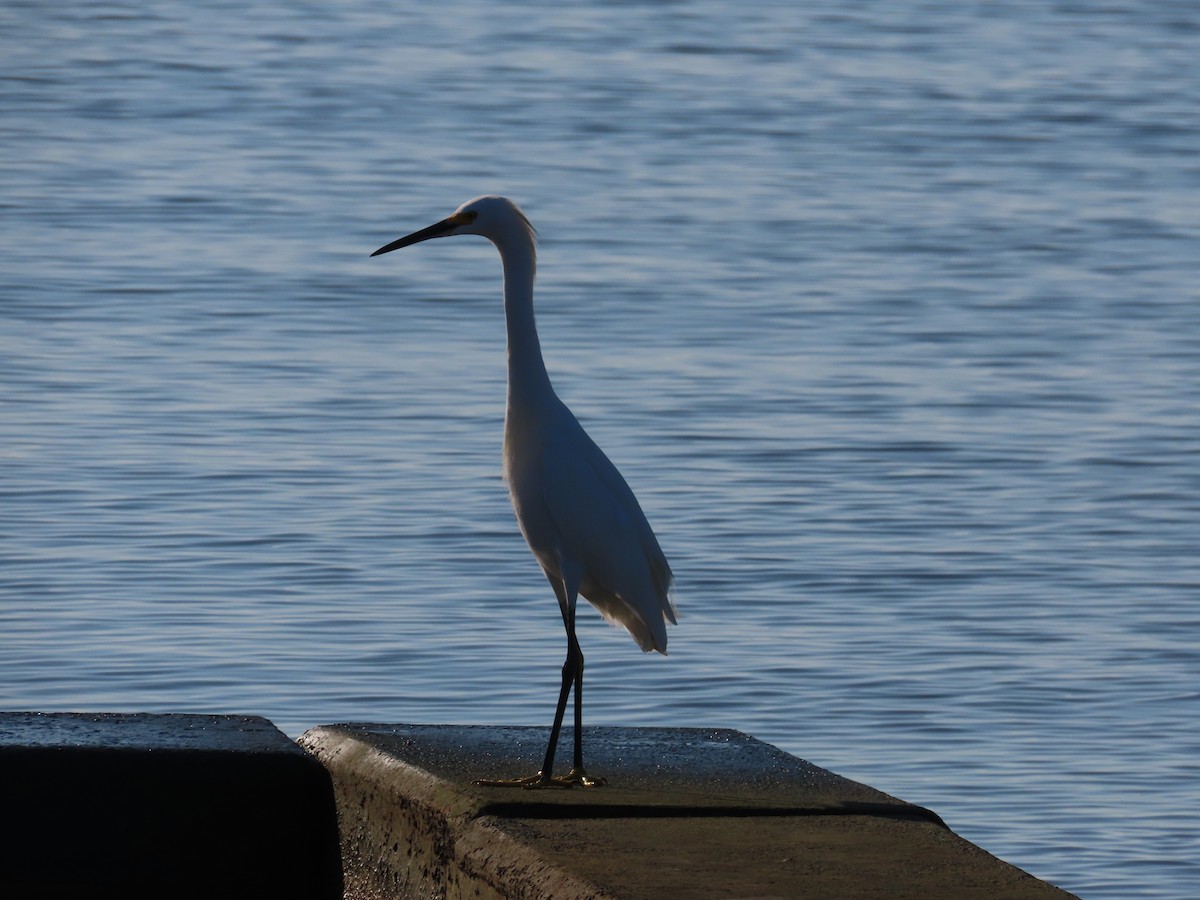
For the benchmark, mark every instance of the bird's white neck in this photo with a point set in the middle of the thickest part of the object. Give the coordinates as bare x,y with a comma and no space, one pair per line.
527,376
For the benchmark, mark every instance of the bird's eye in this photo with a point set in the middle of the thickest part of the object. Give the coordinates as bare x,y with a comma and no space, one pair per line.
464,218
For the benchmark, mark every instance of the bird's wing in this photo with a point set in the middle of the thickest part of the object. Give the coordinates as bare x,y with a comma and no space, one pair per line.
602,529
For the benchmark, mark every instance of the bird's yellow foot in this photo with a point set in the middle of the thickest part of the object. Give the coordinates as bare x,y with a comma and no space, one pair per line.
530,781
574,778
580,778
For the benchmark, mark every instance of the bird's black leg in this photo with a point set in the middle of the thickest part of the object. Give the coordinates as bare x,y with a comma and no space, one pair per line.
578,763
545,777
572,676
573,664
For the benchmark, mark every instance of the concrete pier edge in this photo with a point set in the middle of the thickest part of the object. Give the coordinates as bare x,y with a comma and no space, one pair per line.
687,812
183,805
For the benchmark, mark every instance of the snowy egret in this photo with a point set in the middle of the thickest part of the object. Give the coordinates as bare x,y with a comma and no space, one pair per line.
577,514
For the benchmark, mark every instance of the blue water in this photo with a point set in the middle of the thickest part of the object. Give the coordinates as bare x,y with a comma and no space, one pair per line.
889,313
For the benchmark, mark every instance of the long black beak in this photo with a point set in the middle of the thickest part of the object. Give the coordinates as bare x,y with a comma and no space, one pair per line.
438,229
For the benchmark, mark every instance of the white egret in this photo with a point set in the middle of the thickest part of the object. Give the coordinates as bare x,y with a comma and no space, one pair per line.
577,514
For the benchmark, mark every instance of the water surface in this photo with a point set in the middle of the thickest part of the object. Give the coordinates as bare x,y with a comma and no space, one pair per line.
888,314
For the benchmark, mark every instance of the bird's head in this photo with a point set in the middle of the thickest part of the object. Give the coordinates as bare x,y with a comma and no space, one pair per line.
496,218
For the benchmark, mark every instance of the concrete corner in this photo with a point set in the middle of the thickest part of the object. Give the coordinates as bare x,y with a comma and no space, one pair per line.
162,806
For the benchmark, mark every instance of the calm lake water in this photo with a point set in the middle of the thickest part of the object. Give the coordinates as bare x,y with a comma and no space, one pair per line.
889,313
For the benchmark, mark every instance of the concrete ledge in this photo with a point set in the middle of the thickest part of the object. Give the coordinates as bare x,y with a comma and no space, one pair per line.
162,806
687,813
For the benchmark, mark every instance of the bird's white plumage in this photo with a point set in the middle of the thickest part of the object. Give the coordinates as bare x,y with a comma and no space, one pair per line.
575,509
578,515
598,526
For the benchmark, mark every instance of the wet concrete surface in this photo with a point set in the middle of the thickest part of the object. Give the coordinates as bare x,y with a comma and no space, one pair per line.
686,812
667,771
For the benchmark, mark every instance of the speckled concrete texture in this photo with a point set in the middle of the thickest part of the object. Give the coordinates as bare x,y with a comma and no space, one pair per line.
686,813
139,805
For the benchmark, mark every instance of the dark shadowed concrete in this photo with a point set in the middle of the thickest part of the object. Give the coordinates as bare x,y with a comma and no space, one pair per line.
686,813
162,806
